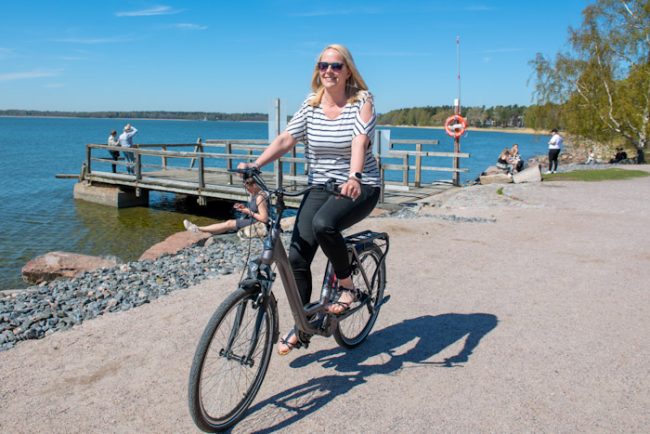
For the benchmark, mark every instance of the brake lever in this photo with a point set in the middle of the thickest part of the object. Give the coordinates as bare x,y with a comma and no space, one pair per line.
333,189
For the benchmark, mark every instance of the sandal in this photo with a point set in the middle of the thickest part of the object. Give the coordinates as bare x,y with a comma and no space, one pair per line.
290,345
354,292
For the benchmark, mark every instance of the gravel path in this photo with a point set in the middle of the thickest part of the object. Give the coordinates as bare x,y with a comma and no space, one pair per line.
522,311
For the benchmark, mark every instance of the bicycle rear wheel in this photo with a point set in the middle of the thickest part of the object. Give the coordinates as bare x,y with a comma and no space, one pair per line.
231,361
353,330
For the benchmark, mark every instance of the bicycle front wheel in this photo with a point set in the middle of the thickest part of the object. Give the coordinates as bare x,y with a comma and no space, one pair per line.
230,361
353,330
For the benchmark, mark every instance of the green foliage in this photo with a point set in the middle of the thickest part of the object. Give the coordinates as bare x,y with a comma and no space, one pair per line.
600,90
142,115
500,191
499,116
596,175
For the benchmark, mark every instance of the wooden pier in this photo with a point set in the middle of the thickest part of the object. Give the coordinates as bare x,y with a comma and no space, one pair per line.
201,170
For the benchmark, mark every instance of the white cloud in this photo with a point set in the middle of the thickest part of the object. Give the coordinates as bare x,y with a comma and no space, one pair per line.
9,76
189,26
156,10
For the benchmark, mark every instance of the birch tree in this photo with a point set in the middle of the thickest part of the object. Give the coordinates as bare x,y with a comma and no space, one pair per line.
601,87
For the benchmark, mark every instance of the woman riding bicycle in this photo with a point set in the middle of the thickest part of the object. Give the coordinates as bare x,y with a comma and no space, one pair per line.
335,123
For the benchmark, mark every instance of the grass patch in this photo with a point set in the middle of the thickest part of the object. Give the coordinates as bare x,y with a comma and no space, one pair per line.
596,175
500,191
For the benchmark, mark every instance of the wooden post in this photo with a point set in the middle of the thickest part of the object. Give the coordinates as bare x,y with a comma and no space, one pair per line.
138,166
278,173
164,158
456,178
201,174
88,151
197,148
382,182
418,165
229,161
405,175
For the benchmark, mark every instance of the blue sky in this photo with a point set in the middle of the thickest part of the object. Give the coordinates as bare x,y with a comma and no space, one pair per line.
237,56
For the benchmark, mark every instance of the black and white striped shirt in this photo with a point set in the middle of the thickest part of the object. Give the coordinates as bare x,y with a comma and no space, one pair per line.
328,142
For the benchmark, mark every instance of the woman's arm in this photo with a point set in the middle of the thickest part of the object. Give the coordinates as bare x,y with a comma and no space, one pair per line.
262,214
278,147
359,147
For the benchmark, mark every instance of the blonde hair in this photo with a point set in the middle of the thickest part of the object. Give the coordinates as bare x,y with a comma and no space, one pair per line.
354,85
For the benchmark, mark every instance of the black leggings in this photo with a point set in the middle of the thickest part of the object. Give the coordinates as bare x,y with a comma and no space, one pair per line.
552,158
320,220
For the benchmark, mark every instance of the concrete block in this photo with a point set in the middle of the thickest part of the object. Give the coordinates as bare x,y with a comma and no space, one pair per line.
110,195
530,174
499,178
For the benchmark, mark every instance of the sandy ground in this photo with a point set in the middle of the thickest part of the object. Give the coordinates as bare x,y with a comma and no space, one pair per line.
528,313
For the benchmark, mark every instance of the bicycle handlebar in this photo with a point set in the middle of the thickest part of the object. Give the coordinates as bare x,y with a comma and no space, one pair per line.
252,172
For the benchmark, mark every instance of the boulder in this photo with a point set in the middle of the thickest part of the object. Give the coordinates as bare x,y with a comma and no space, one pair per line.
492,170
499,178
532,173
53,265
256,230
174,243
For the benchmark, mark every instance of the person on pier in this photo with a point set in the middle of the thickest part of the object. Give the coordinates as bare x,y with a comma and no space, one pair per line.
112,141
126,141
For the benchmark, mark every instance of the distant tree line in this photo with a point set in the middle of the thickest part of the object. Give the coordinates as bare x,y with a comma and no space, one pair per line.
142,115
509,116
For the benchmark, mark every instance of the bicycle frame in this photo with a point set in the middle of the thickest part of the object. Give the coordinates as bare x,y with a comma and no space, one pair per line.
274,252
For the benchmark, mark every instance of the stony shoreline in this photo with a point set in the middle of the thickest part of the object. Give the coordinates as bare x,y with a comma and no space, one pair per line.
38,311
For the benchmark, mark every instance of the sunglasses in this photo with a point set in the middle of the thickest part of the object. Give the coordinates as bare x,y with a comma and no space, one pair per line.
336,66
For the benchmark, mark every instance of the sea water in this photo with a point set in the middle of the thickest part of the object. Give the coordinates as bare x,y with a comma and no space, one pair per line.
39,214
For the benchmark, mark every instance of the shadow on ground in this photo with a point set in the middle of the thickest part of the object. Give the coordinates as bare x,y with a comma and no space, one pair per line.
381,354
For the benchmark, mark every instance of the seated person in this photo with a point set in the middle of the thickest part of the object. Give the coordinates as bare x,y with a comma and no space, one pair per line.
619,156
514,160
502,161
254,211
591,157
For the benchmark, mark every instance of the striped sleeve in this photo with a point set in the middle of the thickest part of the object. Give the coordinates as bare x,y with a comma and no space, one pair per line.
297,126
361,127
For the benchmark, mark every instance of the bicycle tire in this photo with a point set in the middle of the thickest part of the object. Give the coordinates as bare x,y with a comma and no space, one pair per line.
353,330
214,375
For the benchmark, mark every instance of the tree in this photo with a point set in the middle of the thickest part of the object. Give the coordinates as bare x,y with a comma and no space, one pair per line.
601,89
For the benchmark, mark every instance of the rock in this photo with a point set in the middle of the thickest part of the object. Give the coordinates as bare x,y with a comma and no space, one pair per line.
499,178
174,243
493,170
53,265
287,223
530,174
256,230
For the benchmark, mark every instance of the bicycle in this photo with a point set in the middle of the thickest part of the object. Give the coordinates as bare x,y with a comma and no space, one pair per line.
235,348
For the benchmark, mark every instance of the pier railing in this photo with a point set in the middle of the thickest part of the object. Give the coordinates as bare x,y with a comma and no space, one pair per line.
201,168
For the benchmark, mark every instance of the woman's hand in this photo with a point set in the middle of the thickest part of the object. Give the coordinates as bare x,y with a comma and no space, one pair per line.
352,189
242,166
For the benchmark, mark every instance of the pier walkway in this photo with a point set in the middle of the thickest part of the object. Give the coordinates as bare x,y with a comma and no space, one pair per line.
201,170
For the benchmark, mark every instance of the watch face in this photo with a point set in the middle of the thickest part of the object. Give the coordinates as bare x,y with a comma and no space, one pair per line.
357,175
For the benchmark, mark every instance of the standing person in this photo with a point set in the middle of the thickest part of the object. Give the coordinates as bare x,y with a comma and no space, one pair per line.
554,148
112,141
126,141
336,123
255,210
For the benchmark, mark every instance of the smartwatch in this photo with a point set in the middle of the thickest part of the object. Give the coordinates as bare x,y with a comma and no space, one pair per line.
356,175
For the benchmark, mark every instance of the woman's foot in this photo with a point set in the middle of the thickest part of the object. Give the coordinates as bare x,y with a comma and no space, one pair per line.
190,226
288,343
342,302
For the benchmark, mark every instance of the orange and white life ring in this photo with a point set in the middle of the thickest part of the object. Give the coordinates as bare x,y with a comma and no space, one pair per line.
455,126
